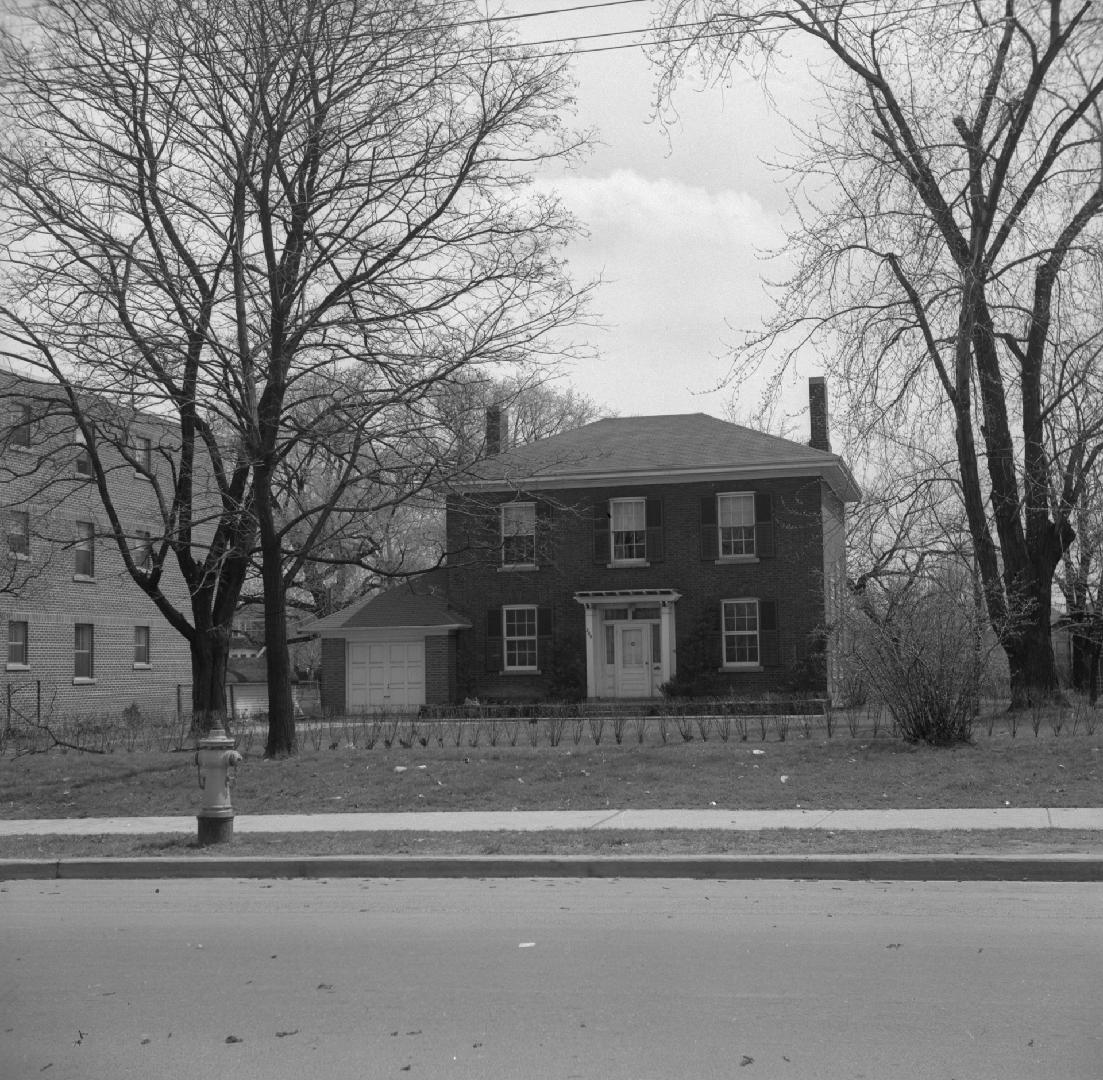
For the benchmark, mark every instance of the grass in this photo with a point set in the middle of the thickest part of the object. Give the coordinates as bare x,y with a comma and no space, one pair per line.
603,842
839,773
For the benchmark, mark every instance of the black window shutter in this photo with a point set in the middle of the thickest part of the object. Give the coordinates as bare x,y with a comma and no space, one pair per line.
710,538
653,510
769,653
715,655
602,552
494,639
543,638
763,525
543,532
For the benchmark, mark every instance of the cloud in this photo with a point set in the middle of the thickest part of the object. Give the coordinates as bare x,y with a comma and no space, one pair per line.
624,207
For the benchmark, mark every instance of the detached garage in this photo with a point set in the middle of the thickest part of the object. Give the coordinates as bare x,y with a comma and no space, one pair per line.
394,650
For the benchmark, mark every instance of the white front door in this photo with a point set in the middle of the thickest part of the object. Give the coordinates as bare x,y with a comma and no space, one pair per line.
633,660
384,674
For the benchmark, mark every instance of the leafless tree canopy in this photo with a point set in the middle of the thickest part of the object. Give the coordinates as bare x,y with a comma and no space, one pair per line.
217,210
947,252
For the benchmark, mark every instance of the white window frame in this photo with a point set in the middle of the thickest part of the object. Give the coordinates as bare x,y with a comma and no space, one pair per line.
85,545
742,535
737,634
510,531
639,535
86,648
527,638
24,640
144,550
83,462
142,647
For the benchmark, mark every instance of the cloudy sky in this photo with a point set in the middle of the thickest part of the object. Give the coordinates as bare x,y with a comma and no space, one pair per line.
678,220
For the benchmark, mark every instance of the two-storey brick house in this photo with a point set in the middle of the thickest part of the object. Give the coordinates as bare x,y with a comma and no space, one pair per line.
610,561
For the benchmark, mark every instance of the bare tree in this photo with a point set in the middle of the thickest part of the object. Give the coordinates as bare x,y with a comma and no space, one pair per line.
953,190
215,208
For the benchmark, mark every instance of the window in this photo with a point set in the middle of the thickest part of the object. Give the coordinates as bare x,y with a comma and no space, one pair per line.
18,644
629,529
519,534
740,630
519,624
735,520
22,432
84,555
143,454
143,550
83,463
141,646
19,533
84,637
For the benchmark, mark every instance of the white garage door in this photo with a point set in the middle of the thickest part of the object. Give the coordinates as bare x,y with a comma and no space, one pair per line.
384,674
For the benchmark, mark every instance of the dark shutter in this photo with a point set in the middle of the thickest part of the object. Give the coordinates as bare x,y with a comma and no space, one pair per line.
714,655
763,525
653,519
543,532
494,639
710,537
602,552
543,638
769,654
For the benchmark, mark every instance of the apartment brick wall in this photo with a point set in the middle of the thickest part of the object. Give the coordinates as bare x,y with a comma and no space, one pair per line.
793,578
45,590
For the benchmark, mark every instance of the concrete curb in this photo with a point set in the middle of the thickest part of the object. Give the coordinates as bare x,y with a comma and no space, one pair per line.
1052,868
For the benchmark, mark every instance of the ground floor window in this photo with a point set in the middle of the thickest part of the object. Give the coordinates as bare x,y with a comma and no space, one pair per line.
740,630
141,645
519,627
84,636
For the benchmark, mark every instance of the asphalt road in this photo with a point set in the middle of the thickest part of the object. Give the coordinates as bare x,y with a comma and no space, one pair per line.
604,980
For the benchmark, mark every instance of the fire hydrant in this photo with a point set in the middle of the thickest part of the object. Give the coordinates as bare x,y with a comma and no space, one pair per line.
216,761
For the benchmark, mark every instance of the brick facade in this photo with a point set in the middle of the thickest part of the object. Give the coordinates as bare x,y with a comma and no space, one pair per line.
792,577
48,592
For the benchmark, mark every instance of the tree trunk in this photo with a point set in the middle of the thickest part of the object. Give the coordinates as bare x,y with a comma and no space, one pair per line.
282,741
210,652
1033,668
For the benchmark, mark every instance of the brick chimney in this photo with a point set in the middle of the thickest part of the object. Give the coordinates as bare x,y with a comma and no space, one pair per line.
497,431
817,414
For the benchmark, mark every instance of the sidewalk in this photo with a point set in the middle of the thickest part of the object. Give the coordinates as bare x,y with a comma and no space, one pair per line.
1025,817
222,862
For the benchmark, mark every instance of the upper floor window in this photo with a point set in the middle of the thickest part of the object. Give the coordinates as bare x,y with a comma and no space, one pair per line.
84,639
18,644
83,462
737,526
628,531
84,553
143,550
143,454
19,533
735,518
519,534
23,430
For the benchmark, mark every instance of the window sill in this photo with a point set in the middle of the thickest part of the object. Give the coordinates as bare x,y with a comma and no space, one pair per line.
628,564
82,680
520,671
143,667
742,667
518,568
736,560
85,579
17,667
20,556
